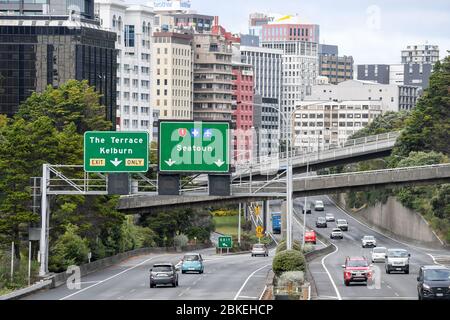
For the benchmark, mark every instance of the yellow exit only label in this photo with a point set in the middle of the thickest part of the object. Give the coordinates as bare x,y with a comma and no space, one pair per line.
134,162
97,162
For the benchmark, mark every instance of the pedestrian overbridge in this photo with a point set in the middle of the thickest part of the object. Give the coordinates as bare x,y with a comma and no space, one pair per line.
355,150
302,186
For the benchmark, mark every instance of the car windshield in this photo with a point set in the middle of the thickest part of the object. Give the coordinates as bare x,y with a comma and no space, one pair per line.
321,219
329,214
191,257
162,268
437,275
379,250
397,253
369,238
319,203
357,263
258,246
342,221
336,230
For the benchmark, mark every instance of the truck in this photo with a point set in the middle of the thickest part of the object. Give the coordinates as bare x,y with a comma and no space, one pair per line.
276,222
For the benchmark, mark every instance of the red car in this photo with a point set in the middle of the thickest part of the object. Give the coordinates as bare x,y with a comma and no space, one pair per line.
310,237
356,269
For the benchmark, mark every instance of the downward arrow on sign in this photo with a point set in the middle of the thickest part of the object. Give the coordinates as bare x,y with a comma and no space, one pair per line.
219,163
116,162
170,162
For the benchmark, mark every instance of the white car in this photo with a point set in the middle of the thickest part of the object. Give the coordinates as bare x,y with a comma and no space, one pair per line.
368,241
336,233
378,254
342,224
259,249
318,205
329,217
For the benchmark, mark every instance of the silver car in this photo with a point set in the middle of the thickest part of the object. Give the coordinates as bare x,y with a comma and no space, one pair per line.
378,254
260,249
329,217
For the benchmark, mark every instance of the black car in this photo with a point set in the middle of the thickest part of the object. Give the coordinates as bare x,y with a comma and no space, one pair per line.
321,222
433,282
163,273
308,209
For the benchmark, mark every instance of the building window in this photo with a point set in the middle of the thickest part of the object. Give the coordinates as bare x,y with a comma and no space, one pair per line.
129,36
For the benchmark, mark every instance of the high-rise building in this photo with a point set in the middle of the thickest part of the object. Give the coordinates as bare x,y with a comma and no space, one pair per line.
420,54
300,70
133,26
323,124
379,73
84,8
243,110
39,50
267,78
256,22
183,22
212,77
172,75
290,28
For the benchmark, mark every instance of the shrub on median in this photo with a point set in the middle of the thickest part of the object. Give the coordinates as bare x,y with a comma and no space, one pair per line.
296,245
288,260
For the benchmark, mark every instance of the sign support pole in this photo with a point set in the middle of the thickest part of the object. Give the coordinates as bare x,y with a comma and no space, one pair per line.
29,263
239,225
44,203
12,261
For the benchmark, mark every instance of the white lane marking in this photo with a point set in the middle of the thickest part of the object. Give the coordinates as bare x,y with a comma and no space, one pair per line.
132,290
247,297
262,293
375,297
396,294
388,286
329,274
363,224
112,277
86,282
246,280
184,291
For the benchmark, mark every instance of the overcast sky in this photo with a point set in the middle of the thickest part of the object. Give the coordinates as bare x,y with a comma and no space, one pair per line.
372,31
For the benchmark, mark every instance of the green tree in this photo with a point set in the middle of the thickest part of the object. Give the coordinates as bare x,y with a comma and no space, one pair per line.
428,127
69,249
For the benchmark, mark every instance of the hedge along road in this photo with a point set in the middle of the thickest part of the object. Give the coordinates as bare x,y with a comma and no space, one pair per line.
225,278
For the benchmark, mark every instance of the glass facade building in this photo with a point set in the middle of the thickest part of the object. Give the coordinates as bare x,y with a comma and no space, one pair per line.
36,55
48,7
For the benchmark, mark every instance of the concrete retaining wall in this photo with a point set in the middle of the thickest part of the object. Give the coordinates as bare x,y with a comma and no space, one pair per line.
395,220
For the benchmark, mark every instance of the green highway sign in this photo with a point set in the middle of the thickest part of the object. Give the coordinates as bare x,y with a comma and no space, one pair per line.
194,146
110,151
225,242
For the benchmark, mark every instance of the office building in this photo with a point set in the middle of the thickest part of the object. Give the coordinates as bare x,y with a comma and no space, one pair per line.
37,51
267,75
290,28
420,54
183,22
256,22
335,68
411,74
320,125
133,26
391,97
82,8
172,75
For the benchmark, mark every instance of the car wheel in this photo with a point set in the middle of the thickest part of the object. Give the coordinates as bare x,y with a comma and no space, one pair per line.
407,270
174,284
152,285
201,271
315,242
347,283
177,283
183,271
388,270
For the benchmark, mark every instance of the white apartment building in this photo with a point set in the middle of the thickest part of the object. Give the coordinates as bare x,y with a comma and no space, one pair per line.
133,25
397,74
172,75
391,96
420,54
319,125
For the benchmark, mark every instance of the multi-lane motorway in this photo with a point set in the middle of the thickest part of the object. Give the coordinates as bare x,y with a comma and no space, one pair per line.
244,277
225,278
328,274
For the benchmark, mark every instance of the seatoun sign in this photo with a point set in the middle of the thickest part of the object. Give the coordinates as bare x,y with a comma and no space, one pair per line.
194,146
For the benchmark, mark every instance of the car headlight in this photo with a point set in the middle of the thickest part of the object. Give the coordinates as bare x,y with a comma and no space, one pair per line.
425,286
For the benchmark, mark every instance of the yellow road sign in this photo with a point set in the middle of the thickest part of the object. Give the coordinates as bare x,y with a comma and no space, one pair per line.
259,229
257,210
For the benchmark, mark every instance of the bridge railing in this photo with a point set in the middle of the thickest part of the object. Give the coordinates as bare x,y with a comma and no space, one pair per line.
278,161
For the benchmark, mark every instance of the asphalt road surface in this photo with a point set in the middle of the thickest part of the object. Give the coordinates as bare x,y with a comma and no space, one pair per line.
328,273
225,278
